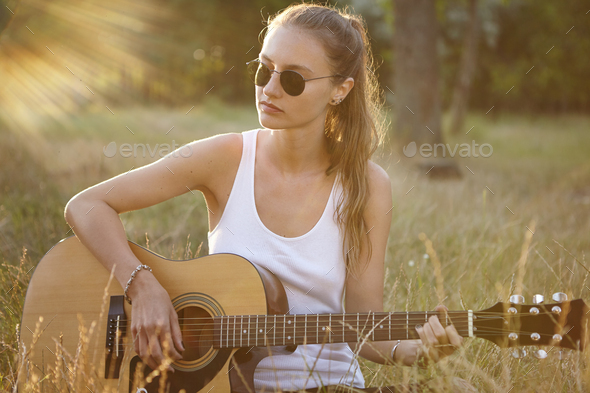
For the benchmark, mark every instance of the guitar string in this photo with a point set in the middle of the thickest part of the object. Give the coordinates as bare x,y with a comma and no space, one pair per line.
238,320
339,333
299,340
463,331
355,339
401,331
337,330
384,317
335,326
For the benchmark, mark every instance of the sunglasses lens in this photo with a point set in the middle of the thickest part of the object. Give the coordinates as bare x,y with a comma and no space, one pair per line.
259,73
292,83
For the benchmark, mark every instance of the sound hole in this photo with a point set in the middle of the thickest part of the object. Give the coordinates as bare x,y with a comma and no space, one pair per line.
196,326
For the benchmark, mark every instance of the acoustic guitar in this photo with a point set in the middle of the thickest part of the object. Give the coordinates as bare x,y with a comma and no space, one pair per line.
75,328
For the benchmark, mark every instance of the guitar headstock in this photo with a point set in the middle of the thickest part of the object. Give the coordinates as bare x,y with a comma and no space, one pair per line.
561,324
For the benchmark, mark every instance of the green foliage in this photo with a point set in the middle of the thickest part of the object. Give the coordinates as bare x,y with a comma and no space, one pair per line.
540,35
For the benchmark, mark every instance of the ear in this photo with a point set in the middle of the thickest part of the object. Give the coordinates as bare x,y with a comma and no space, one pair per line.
343,89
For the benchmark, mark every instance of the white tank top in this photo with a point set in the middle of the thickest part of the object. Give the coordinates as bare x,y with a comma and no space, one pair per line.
310,266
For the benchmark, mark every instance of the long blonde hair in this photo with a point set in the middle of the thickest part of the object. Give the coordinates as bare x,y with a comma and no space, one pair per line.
354,128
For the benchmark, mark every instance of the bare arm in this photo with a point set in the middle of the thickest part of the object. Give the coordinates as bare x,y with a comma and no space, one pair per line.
365,293
94,216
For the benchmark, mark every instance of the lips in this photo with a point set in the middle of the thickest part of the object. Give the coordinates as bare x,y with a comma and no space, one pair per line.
268,104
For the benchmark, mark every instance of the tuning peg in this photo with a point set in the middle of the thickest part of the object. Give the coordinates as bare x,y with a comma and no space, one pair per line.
538,299
517,299
540,354
559,297
518,353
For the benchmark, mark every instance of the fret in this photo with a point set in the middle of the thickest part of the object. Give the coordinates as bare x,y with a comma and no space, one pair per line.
227,333
446,319
256,332
249,330
407,325
373,327
317,329
330,327
294,328
265,330
357,325
426,317
241,329
389,325
343,328
274,333
221,333
284,328
234,329
305,331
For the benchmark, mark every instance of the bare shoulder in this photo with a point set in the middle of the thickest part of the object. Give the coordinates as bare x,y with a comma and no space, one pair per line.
379,181
230,143
223,153
227,142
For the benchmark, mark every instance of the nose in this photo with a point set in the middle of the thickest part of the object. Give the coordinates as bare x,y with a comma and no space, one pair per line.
273,87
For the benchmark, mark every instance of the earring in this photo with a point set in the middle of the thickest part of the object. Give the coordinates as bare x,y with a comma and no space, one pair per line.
337,102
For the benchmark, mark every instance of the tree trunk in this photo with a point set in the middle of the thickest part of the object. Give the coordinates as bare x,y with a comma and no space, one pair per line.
417,107
466,70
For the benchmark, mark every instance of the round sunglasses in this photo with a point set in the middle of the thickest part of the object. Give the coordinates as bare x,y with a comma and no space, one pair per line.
292,82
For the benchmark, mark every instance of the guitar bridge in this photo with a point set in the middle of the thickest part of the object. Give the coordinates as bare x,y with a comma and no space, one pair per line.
116,328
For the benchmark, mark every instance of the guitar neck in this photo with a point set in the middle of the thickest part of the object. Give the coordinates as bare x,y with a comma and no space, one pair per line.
239,331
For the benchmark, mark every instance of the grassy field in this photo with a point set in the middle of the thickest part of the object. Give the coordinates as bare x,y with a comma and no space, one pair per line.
480,227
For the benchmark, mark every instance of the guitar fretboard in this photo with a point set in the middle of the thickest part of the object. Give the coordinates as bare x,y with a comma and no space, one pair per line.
239,331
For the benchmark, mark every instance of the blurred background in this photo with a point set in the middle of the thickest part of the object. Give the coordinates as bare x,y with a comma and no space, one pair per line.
76,76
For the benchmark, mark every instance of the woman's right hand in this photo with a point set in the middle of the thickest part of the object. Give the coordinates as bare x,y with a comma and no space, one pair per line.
154,322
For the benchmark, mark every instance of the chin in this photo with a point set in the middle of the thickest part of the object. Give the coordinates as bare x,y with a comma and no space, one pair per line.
271,124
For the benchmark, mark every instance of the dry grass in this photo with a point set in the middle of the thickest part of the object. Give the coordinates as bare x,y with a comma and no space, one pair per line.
475,249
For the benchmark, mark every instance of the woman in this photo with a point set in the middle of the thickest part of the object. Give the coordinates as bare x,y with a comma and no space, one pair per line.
271,195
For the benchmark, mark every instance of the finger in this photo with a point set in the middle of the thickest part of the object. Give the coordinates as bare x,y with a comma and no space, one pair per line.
168,346
441,336
163,344
155,349
144,352
428,340
442,311
453,335
135,337
438,330
431,338
429,335
421,350
176,334
420,331
136,343
165,340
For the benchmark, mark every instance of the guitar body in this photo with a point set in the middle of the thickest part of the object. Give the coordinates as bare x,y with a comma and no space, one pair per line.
79,312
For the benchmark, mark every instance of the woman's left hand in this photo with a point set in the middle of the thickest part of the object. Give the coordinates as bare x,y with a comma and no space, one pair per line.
437,341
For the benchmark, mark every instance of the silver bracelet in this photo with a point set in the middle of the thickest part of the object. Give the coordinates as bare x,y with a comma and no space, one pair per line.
146,267
393,350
